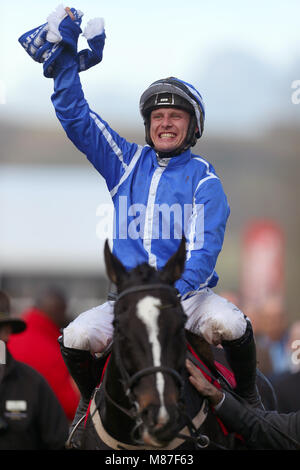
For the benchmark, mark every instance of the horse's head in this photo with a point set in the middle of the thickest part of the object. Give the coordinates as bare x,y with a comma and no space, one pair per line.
149,342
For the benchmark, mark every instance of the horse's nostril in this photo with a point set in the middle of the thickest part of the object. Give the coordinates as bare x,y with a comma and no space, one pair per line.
153,417
148,416
163,429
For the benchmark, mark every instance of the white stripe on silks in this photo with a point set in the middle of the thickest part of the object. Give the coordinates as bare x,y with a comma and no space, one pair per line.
201,286
209,174
109,139
129,169
205,283
195,212
149,215
191,237
212,176
198,211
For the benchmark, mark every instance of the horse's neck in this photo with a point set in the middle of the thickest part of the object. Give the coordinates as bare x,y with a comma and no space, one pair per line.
115,422
202,349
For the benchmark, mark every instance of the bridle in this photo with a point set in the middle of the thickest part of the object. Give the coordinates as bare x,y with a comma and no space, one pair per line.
129,381
200,441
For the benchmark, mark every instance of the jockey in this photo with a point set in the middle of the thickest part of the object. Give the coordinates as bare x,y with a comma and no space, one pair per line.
173,190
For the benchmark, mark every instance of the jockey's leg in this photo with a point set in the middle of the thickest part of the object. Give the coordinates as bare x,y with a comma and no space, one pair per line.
84,344
221,322
91,330
241,355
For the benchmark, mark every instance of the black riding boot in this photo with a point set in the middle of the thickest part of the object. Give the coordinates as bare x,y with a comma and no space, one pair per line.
84,368
241,356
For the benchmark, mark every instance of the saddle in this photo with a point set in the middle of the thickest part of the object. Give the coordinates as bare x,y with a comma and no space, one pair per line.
220,376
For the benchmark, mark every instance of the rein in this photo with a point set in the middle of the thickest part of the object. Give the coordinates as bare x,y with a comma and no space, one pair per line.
142,288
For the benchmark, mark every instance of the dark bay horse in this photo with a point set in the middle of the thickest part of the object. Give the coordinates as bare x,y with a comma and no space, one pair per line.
145,400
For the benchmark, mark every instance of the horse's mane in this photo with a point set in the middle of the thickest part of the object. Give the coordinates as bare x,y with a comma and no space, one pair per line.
202,349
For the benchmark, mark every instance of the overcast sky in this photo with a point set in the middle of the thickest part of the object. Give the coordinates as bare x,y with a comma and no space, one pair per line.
218,46
146,41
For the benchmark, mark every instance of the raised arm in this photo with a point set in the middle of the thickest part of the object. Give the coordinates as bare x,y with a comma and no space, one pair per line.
106,150
55,45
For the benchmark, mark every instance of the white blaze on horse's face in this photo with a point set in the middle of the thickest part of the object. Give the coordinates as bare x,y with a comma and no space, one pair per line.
148,311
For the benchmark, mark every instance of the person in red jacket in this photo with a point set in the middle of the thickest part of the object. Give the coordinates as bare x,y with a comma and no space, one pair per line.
38,347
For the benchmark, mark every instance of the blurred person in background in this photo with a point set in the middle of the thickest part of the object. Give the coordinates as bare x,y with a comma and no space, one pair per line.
287,384
31,417
39,348
274,333
264,359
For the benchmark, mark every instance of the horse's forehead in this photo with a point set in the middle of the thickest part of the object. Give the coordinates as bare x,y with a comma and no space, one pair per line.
147,310
144,272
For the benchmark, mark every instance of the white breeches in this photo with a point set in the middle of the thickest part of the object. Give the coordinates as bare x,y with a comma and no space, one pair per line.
209,315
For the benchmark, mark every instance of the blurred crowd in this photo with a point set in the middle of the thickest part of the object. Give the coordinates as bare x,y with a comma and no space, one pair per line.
38,397
278,348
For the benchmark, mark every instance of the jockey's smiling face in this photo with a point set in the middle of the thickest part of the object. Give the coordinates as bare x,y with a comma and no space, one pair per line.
168,128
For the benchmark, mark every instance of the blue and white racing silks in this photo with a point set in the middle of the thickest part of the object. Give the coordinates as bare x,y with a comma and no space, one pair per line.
154,204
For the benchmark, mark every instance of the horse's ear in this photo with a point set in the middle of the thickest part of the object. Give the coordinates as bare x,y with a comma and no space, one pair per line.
174,267
114,268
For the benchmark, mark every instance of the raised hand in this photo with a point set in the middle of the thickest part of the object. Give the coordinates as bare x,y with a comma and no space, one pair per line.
45,43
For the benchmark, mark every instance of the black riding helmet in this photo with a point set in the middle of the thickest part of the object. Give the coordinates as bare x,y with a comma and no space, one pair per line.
178,94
